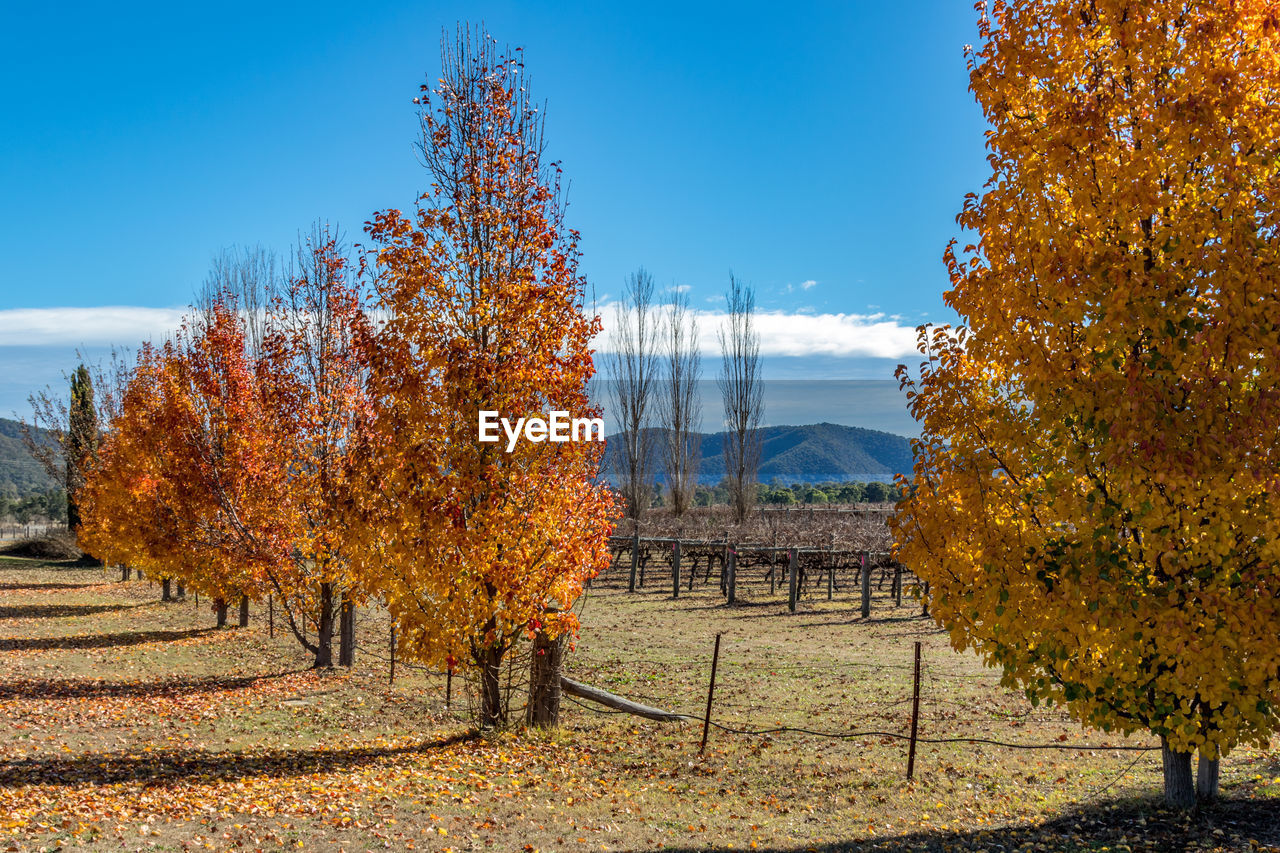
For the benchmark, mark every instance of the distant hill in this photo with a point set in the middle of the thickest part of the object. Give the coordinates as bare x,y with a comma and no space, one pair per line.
20,474
806,454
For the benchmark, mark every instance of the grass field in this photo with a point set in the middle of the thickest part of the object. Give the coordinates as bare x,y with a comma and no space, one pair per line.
132,724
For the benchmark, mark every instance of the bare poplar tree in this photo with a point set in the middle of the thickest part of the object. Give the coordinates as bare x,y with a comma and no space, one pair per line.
634,363
679,410
743,391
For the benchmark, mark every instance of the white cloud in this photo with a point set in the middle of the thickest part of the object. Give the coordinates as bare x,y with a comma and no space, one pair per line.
785,333
122,325
806,285
782,333
679,288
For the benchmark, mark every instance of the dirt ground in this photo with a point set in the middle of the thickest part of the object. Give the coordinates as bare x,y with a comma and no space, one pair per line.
134,724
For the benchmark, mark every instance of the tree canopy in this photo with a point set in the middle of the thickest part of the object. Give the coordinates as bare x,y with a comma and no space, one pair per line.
1095,492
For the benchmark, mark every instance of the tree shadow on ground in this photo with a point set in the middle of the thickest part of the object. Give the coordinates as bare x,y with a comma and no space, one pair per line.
37,587
873,619
770,607
52,611
22,560
99,641
87,688
1235,823
166,766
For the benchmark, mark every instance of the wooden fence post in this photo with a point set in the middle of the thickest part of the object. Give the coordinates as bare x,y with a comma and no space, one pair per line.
915,716
897,586
866,586
635,561
711,689
731,570
392,675
675,569
831,576
793,559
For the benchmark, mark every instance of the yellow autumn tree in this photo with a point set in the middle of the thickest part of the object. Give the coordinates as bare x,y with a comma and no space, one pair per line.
1095,495
474,544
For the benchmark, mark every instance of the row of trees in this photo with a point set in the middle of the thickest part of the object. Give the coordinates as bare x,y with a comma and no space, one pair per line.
776,494
285,444
48,506
823,493
655,366
63,434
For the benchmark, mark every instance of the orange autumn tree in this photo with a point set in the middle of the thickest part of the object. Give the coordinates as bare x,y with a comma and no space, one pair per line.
1095,497
226,467
313,375
260,444
124,519
471,546
221,460
144,503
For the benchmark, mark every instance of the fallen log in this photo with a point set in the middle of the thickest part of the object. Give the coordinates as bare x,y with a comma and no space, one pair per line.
618,703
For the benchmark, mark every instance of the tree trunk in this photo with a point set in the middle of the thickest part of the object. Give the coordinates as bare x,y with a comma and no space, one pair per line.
220,608
182,592
164,590
1179,791
544,681
1207,778
324,628
244,611
492,714
124,573
346,632
619,703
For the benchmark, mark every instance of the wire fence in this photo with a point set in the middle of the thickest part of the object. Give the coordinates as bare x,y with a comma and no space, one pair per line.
881,700
916,716
14,532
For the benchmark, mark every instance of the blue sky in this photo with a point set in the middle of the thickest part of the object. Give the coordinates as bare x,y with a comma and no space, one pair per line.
820,151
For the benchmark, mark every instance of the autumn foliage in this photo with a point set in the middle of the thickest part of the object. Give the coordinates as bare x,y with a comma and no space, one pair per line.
472,546
306,454
1094,497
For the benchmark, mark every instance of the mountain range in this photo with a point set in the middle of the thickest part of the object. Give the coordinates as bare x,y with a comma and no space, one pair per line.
814,453
20,474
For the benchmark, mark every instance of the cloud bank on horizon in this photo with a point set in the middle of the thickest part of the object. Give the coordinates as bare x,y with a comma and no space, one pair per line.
797,334
782,333
822,367
111,325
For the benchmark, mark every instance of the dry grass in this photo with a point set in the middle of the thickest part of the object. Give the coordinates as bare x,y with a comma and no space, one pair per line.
133,724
